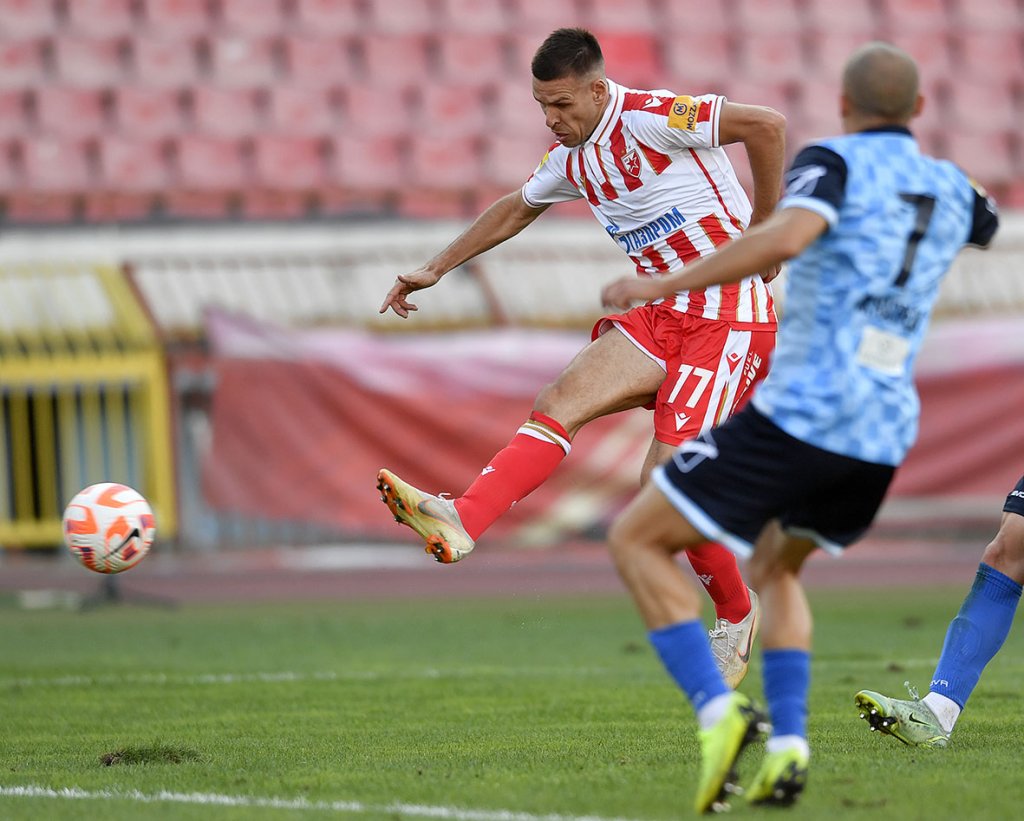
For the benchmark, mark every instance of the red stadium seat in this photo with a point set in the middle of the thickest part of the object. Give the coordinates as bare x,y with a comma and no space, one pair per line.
252,17
633,59
636,16
301,111
453,109
700,64
370,164
538,19
27,19
444,163
980,105
163,63
371,111
990,15
8,173
325,17
21,64
989,55
224,112
401,16
395,59
509,160
816,113
851,17
242,61
69,112
913,16
53,164
775,56
475,58
480,16
101,18
289,163
764,16
320,62
931,50
210,163
133,165
148,112
693,19
13,115
516,112
177,18
778,94
88,62
986,157
829,52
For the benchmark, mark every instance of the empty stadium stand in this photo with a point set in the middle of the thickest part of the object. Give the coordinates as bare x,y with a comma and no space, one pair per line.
158,109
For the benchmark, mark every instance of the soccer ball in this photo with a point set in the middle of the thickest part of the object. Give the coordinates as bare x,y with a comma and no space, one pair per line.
109,527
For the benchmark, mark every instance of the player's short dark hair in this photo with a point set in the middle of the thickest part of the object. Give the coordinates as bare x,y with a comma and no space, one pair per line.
567,52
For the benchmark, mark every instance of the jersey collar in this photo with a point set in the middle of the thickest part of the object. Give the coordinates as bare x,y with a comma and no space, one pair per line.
603,133
888,129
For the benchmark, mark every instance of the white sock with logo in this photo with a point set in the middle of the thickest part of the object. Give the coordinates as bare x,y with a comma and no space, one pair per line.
946,710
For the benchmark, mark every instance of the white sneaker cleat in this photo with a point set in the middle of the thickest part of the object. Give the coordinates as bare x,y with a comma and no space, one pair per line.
432,517
731,643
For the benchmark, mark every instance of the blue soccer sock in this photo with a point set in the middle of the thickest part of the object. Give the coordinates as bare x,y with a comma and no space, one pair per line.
976,634
787,678
686,654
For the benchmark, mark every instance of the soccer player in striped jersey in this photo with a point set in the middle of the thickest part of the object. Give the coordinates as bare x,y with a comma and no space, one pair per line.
870,226
652,168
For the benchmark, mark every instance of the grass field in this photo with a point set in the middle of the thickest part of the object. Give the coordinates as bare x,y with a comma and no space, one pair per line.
501,710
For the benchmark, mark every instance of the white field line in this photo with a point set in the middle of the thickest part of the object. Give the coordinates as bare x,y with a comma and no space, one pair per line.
287,677
356,807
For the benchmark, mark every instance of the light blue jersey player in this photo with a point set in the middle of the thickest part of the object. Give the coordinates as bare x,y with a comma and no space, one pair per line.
870,226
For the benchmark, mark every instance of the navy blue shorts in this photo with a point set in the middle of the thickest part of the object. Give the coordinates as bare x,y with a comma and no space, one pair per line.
1015,501
731,481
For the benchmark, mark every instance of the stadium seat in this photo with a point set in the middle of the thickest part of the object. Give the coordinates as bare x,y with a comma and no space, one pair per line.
538,19
224,112
88,62
444,163
8,173
326,17
371,164
371,111
852,17
989,55
517,113
274,204
765,16
990,15
319,62
635,17
692,20
210,163
69,112
101,18
700,64
21,64
127,164
931,50
472,58
981,105
302,111
177,18
986,157
55,164
289,163
509,160
242,61
452,109
401,16
252,18
13,115
775,56
142,111
395,59
816,112
778,94
163,63
903,16
27,19
829,51
480,16
632,59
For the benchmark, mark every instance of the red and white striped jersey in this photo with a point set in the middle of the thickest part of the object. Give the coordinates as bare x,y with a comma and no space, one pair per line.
658,181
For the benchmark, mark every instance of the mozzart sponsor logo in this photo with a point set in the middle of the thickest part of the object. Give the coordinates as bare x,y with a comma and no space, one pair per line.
645,235
686,112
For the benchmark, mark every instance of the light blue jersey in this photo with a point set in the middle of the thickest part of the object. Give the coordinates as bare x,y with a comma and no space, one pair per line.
859,298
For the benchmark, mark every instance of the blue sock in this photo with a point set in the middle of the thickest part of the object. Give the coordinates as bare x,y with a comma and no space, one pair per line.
976,634
686,654
787,678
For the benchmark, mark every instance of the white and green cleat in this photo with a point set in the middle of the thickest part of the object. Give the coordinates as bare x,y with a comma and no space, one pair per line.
731,644
912,722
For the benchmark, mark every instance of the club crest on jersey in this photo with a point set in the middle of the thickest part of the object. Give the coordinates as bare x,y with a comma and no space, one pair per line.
686,113
631,162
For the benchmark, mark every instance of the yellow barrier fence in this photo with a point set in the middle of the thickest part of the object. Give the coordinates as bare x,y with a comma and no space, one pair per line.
83,397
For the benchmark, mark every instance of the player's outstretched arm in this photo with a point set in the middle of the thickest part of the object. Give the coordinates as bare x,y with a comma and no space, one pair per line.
501,221
784,235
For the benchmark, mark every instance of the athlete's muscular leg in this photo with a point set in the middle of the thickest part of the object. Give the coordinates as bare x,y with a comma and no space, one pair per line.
774,573
1005,552
610,374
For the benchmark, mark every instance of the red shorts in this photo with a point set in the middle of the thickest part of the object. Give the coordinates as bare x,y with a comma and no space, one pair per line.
710,367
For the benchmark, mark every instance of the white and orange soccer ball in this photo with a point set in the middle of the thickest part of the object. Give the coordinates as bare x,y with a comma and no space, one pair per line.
109,527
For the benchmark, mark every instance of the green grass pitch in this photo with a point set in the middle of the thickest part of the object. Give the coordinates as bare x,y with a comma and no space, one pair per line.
502,710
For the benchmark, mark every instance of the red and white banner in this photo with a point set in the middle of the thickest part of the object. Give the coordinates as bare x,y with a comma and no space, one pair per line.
302,421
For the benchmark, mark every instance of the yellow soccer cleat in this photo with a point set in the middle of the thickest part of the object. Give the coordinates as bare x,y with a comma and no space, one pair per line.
781,779
432,517
721,746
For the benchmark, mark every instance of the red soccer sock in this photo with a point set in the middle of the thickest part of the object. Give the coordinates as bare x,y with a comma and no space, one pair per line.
718,571
522,466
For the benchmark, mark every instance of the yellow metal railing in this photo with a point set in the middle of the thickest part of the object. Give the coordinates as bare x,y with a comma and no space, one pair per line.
83,397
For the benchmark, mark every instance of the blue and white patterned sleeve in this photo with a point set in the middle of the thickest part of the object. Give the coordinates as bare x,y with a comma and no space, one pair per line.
816,181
